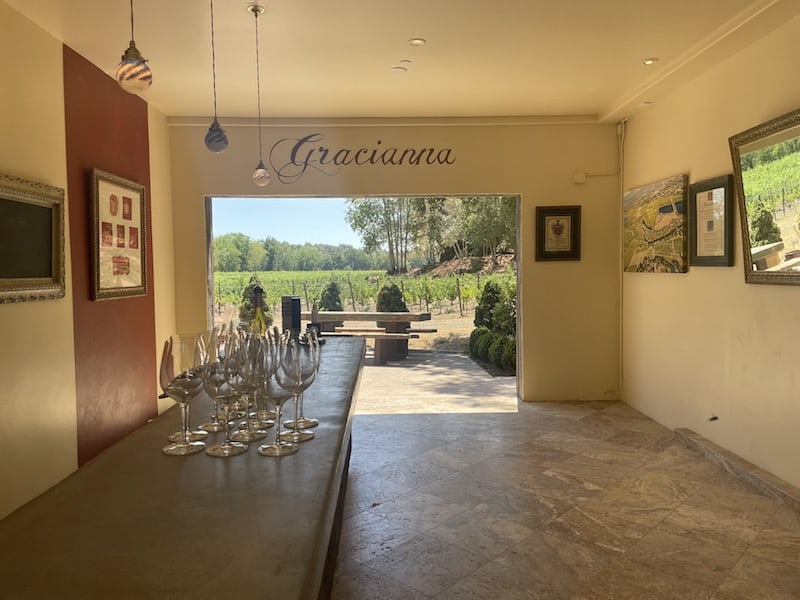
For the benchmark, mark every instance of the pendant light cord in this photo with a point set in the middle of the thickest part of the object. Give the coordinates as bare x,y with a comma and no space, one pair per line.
132,20
213,61
258,88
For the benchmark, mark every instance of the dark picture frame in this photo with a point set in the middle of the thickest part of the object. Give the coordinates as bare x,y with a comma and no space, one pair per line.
558,233
31,240
711,222
119,237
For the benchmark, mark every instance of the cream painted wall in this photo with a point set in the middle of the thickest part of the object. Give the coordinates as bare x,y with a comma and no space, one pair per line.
38,439
162,235
569,311
705,343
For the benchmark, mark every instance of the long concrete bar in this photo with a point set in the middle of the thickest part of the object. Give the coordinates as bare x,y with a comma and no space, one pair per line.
134,523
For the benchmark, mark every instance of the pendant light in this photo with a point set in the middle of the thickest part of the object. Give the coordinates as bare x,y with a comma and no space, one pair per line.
216,140
260,175
133,74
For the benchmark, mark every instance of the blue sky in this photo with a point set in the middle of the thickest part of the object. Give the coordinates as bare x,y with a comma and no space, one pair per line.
293,220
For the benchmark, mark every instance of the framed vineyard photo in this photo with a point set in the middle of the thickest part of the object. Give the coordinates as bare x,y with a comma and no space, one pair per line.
118,237
558,233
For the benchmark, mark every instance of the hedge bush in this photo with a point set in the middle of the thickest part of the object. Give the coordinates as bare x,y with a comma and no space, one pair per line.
473,338
482,344
508,360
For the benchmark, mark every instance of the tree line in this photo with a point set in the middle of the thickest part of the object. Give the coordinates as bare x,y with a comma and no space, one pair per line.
237,252
398,234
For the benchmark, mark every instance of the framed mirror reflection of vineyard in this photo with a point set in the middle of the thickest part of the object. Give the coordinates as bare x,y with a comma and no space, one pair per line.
766,168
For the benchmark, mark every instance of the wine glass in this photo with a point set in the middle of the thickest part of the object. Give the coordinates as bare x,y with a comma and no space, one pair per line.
278,395
301,421
205,360
295,373
181,389
226,394
187,360
252,365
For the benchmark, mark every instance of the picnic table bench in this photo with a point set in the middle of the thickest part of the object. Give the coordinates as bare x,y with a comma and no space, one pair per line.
391,340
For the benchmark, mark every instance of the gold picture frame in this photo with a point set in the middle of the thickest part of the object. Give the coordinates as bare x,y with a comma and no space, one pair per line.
31,240
119,237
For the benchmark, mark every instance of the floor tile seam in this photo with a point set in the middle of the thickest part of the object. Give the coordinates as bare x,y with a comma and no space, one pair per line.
758,525
704,544
432,533
479,559
387,576
422,529
753,550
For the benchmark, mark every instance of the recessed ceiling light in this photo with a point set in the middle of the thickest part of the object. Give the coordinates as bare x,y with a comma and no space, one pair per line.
645,104
649,61
405,61
399,69
416,42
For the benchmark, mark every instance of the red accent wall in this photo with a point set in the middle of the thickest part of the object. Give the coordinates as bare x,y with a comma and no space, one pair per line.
114,339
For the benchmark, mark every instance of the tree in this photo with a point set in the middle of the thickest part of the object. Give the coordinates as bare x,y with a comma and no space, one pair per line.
430,221
489,223
227,256
763,229
231,252
384,221
256,257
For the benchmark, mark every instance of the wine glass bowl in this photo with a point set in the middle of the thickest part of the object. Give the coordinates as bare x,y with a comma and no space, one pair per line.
295,373
182,389
225,391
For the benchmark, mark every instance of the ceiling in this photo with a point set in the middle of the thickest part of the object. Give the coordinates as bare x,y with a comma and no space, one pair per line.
333,59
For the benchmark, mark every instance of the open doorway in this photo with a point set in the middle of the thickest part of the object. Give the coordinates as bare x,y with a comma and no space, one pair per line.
442,253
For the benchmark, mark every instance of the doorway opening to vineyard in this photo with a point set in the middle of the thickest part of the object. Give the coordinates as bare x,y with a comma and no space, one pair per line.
443,253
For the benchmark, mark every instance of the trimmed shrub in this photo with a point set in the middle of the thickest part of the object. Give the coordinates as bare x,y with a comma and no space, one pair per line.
473,338
504,314
508,359
390,299
490,296
331,299
495,351
247,307
482,344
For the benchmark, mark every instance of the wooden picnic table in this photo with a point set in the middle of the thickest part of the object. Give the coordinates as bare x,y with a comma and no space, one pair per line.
388,317
391,344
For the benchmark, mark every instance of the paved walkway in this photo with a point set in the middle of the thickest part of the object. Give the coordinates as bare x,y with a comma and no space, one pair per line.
433,382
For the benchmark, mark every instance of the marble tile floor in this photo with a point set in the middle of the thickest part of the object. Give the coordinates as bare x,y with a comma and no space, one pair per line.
579,501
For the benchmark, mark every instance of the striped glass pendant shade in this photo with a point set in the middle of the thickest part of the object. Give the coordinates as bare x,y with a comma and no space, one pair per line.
133,74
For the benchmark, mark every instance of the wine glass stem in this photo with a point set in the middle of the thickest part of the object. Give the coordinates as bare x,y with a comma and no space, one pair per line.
278,422
227,424
296,410
184,422
300,408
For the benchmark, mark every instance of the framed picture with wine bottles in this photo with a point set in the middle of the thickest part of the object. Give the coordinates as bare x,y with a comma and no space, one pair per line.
119,235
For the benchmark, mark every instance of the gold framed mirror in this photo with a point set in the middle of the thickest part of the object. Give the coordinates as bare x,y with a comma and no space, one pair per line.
31,240
766,171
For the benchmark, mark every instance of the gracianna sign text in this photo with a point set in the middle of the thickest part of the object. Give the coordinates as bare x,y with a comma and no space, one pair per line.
291,158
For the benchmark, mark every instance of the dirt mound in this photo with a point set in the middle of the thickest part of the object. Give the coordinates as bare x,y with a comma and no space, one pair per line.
472,264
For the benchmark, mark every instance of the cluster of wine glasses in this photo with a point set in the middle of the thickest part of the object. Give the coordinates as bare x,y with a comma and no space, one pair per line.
245,375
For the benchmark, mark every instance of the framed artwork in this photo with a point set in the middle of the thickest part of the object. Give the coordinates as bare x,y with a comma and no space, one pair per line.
118,237
31,240
711,222
654,225
558,233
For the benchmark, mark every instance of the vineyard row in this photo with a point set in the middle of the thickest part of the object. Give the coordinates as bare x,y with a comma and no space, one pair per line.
358,289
